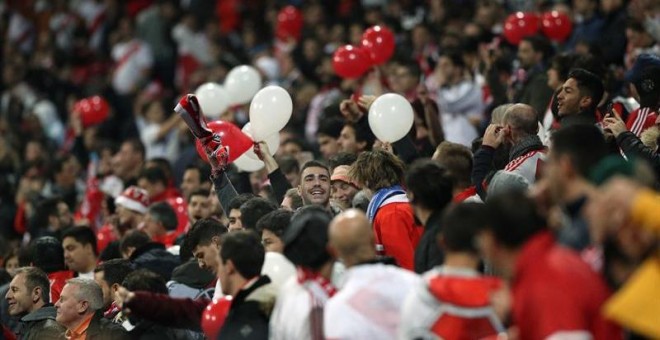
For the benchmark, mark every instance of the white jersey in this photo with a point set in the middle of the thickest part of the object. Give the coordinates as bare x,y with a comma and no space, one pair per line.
293,316
369,304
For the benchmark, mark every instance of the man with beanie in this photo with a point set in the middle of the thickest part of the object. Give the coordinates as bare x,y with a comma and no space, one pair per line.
48,255
644,80
371,289
343,187
298,312
131,206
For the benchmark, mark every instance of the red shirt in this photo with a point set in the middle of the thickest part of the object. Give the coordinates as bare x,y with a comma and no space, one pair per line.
555,291
57,282
395,229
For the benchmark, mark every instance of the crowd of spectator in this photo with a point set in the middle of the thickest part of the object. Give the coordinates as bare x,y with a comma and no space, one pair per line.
522,203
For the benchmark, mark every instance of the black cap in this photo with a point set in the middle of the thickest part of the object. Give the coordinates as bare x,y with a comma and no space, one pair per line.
306,240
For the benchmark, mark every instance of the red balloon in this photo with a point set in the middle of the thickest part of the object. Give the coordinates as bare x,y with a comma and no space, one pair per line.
556,25
93,110
232,136
350,61
520,25
214,316
289,23
379,42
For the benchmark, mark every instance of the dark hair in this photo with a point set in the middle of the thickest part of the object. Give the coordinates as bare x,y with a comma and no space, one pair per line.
114,271
363,132
562,63
204,171
58,163
584,144
134,239
137,146
163,164
199,192
457,159
540,44
165,214
35,277
513,219
413,68
288,164
377,169
154,175
276,221
431,185
342,158
330,126
589,85
237,201
297,141
253,210
245,251
460,224
455,56
83,235
48,254
296,199
44,210
145,280
314,164
306,239
203,231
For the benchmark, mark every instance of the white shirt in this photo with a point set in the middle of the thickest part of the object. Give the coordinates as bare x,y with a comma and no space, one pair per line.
132,59
291,315
369,304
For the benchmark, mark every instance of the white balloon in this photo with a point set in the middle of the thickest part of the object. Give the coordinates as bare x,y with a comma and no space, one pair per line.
391,117
278,268
213,99
247,164
242,83
270,110
273,141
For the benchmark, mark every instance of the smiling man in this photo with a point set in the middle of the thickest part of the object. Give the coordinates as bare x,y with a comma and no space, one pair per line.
28,298
315,187
578,98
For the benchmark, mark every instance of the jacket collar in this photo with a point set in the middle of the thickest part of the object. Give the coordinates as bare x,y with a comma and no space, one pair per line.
245,292
43,313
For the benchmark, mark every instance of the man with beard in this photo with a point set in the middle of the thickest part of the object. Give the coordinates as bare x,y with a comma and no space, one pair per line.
314,186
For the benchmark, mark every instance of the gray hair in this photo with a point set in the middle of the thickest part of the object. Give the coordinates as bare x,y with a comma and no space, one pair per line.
88,290
497,117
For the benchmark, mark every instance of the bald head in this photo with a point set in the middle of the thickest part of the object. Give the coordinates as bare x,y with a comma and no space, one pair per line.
522,118
350,235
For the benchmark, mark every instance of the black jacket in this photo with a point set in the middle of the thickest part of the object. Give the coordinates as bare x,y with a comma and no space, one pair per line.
104,329
633,147
428,254
147,330
154,257
40,324
249,312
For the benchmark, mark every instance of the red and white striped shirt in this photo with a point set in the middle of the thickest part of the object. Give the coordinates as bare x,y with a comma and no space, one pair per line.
641,119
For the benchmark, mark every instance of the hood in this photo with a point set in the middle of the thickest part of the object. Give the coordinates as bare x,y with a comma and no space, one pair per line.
191,275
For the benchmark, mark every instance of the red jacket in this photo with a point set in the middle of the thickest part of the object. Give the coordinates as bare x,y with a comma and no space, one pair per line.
640,120
555,291
398,234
